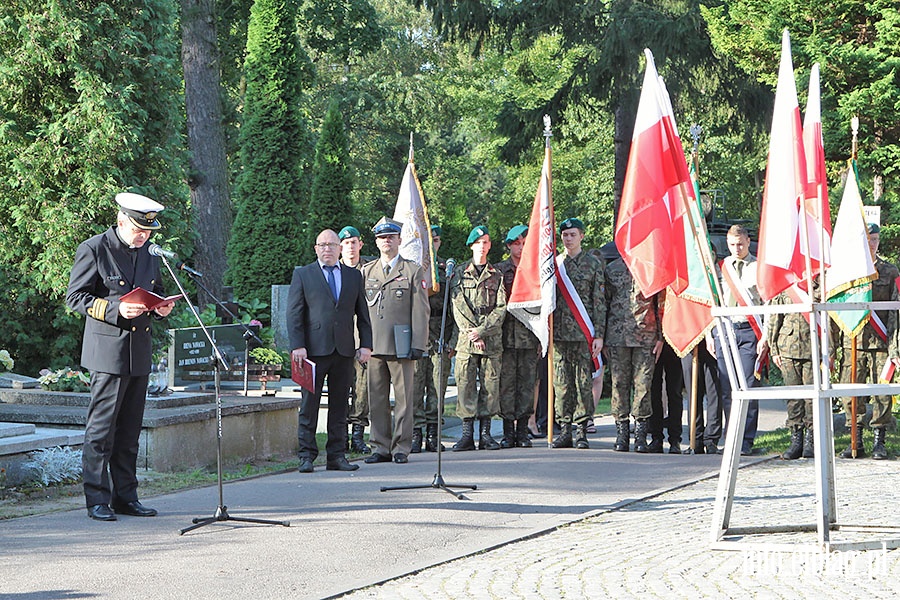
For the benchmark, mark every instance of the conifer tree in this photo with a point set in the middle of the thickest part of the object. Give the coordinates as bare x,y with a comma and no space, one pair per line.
271,195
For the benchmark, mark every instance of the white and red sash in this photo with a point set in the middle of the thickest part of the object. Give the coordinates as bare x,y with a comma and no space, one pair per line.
573,300
741,295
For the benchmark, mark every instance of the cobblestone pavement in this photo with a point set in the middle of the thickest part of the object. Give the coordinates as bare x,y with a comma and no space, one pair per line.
659,547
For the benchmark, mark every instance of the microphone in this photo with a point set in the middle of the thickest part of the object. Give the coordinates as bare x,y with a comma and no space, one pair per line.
157,250
451,264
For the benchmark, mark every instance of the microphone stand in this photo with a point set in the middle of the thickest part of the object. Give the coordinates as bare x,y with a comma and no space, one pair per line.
219,363
438,482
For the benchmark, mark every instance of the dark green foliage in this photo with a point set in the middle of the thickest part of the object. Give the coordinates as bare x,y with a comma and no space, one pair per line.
272,194
90,105
330,206
342,29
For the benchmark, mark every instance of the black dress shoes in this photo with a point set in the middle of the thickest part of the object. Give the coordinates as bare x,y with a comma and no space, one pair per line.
340,464
101,512
377,458
305,466
135,509
400,458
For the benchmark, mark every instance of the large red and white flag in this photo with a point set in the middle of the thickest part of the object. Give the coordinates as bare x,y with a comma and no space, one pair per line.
816,209
649,229
781,262
533,296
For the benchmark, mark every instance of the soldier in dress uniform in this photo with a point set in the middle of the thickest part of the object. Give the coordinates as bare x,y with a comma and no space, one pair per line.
521,353
872,352
398,306
117,350
573,352
358,415
428,390
479,307
633,341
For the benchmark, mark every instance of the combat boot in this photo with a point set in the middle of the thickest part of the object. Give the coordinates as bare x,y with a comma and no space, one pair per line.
860,449
623,436
796,447
640,436
522,438
879,452
809,448
656,444
564,439
431,438
509,434
357,441
485,441
467,440
416,441
581,441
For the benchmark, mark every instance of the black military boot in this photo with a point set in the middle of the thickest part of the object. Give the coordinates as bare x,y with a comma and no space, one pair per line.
656,444
623,436
640,436
522,438
509,434
796,447
879,452
467,440
357,441
809,448
581,441
564,439
485,441
860,449
416,441
431,439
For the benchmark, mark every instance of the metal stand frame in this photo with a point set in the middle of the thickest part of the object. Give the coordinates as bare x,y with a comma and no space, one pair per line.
219,363
725,537
438,482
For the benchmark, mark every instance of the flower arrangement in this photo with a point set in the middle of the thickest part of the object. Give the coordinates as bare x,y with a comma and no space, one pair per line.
64,380
6,361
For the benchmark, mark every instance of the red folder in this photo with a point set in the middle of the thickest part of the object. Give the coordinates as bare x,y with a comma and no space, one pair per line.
152,301
304,374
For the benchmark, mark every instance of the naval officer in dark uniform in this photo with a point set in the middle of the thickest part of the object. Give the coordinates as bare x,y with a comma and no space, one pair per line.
117,350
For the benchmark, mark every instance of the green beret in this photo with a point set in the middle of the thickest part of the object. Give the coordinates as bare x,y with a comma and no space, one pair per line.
515,233
873,228
348,232
436,230
475,234
574,222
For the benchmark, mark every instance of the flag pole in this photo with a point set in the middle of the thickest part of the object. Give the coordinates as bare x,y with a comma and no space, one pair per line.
551,412
410,146
854,125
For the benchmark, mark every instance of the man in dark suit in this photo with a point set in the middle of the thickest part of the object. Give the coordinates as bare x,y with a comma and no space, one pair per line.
117,350
323,300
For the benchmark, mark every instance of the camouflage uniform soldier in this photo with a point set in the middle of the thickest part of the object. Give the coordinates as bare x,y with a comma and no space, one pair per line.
479,306
790,350
872,353
358,416
633,341
429,368
521,353
572,355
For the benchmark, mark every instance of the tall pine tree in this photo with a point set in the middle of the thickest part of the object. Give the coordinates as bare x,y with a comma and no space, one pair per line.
271,196
330,206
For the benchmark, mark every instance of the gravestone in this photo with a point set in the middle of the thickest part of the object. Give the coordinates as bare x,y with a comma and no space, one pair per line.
279,316
189,353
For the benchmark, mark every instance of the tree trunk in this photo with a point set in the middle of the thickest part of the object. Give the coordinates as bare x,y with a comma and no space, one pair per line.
208,177
624,128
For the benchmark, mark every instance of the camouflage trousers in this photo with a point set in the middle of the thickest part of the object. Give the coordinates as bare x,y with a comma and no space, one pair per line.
573,394
518,374
798,371
426,385
359,397
631,370
868,368
471,370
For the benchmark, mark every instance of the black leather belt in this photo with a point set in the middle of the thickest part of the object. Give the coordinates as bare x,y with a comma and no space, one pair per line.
742,325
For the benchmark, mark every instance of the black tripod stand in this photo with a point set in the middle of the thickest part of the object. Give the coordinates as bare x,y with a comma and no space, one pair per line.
219,363
438,482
